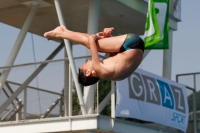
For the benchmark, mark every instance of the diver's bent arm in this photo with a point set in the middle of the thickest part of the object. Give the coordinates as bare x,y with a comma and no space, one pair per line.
94,52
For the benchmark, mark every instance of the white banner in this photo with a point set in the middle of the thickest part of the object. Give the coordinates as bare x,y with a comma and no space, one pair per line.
149,97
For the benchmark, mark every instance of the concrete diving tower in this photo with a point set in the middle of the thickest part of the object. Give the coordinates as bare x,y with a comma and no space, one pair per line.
89,16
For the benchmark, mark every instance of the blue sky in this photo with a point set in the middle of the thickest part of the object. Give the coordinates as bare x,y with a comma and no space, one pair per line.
185,54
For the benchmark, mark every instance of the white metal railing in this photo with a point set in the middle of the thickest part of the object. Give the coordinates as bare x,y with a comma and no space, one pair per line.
45,98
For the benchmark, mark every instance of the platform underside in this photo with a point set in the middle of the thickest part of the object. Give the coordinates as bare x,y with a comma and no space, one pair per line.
112,14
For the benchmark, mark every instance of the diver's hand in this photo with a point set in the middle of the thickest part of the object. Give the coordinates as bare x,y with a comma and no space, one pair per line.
100,35
107,32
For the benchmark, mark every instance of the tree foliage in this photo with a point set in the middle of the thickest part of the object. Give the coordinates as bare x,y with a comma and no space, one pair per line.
104,89
190,101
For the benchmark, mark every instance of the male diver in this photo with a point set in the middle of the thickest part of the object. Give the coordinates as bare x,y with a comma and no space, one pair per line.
126,53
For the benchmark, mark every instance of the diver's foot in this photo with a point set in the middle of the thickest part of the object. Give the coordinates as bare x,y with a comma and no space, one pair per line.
55,34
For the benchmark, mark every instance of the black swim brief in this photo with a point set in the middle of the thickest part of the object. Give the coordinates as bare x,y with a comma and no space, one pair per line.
132,41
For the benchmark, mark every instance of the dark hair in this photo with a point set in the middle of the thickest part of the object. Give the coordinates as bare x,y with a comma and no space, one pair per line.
84,80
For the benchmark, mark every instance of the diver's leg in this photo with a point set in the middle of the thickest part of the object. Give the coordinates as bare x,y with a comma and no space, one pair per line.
61,32
110,44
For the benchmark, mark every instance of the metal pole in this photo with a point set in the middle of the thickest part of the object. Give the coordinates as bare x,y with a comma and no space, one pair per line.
61,104
105,101
18,114
70,92
66,81
97,112
71,61
18,43
112,99
112,102
89,98
25,103
194,106
167,58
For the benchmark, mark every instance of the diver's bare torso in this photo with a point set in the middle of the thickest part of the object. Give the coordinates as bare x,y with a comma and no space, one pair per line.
122,64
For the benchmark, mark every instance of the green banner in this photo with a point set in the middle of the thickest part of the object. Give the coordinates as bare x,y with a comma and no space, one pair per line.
157,25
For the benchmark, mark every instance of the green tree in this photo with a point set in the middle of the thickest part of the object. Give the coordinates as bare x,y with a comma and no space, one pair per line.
190,101
104,89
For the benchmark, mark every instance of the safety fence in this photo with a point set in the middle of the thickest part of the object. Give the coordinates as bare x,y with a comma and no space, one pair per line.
45,89
36,90
192,83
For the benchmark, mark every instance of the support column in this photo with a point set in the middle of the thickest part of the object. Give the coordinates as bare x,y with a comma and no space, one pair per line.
70,93
71,61
18,114
25,103
93,16
93,22
194,106
167,58
67,87
113,88
66,84
113,99
18,43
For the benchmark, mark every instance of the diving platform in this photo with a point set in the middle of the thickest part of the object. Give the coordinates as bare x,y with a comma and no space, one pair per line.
80,124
